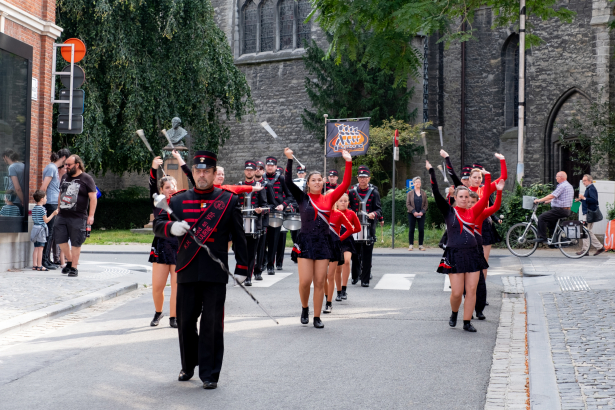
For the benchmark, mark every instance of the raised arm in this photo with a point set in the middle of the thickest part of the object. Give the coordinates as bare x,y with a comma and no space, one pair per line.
503,174
343,187
480,206
493,208
296,192
450,169
153,178
441,202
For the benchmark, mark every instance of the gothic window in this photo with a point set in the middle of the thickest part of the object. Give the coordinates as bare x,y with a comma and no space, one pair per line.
304,29
287,15
250,22
267,26
510,59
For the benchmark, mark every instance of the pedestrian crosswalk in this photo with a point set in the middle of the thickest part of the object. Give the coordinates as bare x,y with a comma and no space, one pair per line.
269,280
395,281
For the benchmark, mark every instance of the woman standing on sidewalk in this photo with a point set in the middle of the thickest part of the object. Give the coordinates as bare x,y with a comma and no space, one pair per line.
315,245
589,202
416,203
461,260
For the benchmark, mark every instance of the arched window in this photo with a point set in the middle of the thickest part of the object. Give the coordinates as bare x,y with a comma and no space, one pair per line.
287,17
510,62
267,26
303,29
250,22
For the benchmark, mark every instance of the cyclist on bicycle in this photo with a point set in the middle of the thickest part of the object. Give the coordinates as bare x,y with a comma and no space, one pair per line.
560,200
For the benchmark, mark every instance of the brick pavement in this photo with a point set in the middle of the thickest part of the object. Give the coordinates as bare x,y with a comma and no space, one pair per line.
581,331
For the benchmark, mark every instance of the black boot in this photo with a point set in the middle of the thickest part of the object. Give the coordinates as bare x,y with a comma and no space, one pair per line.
305,316
480,316
318,323
173,322
156,319
467,326
452,322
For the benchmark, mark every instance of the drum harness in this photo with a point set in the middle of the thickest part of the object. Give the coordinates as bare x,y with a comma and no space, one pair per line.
364,202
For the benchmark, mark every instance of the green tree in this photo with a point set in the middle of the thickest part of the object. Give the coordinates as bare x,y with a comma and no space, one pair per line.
350,90
146,63
394,23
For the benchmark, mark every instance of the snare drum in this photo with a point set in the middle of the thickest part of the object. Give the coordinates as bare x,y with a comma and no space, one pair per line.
292,221
363,235
249,225
276,218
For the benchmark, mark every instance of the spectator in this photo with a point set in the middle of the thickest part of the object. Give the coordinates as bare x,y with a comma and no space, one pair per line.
51,187
40,230
16,177
77,191
10,209
416,203
589,203
561,201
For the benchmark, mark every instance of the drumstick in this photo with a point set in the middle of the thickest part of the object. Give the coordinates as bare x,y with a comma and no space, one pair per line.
442,146
266,126
141,135
424,144
164,132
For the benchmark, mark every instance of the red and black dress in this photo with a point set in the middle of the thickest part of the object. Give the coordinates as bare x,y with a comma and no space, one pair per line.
337,221
315,240
461,254
346,239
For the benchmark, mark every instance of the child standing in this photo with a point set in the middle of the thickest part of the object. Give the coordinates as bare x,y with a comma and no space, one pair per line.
39,230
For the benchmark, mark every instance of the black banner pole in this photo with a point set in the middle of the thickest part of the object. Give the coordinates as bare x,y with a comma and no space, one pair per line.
324,175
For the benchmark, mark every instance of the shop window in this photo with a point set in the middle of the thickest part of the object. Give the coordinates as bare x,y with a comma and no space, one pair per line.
15,89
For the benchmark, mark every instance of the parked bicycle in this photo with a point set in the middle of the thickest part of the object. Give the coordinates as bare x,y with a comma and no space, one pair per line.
567,237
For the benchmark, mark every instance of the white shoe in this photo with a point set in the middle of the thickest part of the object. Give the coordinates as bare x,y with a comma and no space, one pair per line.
421,248
410,248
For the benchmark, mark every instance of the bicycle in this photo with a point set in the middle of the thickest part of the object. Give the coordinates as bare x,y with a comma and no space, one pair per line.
520,238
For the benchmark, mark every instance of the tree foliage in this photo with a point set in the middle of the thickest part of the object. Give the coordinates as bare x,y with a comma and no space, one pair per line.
590,136
146,63
350,90
394,23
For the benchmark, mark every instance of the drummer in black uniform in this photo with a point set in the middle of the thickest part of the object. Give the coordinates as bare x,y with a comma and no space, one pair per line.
366,193
332,176
258,201
261,264
279,255
281,199
201,282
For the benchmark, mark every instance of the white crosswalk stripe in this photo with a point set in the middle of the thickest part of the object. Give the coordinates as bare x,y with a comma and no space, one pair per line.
269,280
395,281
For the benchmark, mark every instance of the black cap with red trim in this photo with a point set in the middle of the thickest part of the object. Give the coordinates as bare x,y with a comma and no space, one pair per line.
250,164
281,170
300,169
332,173
204,159
271,161
477,165
363,171
465,172
260,164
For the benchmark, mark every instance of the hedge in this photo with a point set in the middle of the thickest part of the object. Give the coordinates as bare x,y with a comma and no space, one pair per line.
433,216
122,213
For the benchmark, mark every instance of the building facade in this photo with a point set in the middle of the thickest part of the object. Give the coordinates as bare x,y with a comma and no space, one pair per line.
27,33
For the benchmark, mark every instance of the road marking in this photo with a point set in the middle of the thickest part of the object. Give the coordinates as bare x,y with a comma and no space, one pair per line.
447,284
572,283
395,281
269,280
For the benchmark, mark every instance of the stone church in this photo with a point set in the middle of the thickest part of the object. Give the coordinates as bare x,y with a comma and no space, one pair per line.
469,89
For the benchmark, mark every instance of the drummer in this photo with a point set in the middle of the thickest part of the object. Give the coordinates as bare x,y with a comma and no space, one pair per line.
281,199
258,201
260,265
332,176
279,254
365,193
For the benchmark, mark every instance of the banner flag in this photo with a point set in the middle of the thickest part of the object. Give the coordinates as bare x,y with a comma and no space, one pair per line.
352,136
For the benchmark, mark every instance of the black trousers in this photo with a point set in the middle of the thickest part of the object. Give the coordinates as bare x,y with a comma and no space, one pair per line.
204,349
362,261
273,236
294,235
279,255
549,220
252,243
412,222
50,244
481,293
260,251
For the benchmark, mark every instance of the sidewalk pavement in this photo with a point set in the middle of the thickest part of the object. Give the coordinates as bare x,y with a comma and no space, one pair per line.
571,328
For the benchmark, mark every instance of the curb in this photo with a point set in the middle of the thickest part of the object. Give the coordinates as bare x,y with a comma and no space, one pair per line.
67,307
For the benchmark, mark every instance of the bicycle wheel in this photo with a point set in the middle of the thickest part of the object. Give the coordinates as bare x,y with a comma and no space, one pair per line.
520,239
572,247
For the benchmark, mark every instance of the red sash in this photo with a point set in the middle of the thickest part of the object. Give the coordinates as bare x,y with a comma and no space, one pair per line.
203,228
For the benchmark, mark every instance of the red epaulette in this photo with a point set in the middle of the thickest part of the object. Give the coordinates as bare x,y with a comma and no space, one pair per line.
178,192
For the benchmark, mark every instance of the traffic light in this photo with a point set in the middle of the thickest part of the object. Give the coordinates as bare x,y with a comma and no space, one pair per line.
72,75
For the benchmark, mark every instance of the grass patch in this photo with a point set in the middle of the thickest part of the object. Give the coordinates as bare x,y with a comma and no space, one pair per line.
117,237
432,237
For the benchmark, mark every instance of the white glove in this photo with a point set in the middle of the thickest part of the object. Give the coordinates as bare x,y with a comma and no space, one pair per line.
240,278
180,228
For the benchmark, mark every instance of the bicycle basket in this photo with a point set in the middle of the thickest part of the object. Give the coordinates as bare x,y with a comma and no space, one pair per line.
528,202
572,229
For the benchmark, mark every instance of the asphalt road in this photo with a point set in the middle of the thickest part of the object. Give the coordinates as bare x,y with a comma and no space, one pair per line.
382,348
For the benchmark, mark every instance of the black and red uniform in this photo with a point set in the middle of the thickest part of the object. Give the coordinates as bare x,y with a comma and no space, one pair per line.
213,215
281,196
362,259
257,200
